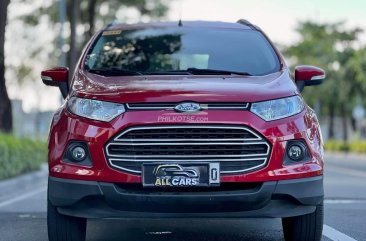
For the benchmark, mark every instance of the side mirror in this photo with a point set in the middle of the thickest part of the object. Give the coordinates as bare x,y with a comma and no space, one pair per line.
306,75
57,77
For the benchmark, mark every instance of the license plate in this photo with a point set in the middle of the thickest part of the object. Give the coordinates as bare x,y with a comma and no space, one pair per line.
180,174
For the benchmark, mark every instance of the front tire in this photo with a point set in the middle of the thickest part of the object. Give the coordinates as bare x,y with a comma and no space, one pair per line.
64,228
307,227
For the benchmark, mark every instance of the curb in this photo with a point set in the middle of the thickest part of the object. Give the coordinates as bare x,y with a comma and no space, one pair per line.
345,155
24,182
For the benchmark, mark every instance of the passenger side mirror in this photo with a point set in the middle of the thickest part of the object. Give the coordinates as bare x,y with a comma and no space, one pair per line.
59,77
306,75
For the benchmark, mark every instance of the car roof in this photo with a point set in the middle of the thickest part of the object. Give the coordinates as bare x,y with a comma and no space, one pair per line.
198,24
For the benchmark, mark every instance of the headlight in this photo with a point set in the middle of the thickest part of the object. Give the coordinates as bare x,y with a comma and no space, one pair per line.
279,108
95,109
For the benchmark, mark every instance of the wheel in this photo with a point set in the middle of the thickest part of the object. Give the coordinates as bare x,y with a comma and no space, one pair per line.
64,228
307,227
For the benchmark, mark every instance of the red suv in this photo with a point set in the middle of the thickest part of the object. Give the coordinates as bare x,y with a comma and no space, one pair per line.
184,120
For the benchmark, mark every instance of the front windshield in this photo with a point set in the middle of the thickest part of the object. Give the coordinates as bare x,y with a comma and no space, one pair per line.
159,50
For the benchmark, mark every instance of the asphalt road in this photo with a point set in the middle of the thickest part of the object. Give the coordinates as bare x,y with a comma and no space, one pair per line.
23,213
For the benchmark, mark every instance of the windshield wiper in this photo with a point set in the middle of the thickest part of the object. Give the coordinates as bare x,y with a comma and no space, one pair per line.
114,71
215,72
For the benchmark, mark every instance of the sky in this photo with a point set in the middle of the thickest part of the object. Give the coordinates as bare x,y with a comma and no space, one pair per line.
278,19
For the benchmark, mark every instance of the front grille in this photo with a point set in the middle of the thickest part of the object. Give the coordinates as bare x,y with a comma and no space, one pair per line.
238,149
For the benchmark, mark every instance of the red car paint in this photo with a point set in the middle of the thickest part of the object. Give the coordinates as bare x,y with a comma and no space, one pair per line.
308,73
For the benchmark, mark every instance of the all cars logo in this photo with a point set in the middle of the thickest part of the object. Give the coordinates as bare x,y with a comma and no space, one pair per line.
171,175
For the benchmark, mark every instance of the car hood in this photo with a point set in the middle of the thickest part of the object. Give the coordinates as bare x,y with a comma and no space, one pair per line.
174,88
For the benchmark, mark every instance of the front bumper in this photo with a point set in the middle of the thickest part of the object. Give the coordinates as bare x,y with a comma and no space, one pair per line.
91,199
67,128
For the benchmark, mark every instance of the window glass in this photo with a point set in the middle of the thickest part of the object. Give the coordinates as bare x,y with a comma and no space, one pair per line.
152,50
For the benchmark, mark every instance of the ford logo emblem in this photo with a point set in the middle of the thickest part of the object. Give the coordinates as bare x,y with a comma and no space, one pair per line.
187,107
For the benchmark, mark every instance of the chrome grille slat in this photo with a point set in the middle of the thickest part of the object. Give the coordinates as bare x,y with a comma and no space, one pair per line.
189,143
190,156
247,152
193,160
137,168
204,106
251,136
195,140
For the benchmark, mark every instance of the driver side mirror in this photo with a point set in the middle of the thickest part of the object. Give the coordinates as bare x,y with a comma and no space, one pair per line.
306,75
59,77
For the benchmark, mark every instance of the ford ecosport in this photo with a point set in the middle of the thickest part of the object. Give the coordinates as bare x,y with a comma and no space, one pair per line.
184,120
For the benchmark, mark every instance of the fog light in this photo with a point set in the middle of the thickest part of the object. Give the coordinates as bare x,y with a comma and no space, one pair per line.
78,153
295,152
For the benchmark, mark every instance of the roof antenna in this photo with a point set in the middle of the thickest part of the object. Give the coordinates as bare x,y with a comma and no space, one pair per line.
180,15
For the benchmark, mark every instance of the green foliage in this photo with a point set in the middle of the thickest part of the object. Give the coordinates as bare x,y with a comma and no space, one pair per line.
352,146
329,46
20,155
334,48
355,71
336,145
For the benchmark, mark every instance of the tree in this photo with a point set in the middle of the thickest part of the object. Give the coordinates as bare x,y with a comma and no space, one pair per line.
91,17
355,70
86,15
74,11
83,16
330,47
5,104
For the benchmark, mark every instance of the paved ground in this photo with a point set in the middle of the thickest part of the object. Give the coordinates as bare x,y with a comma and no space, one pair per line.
23,216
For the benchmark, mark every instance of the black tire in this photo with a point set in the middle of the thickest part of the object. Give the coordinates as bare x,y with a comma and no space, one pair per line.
64,228
307,227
